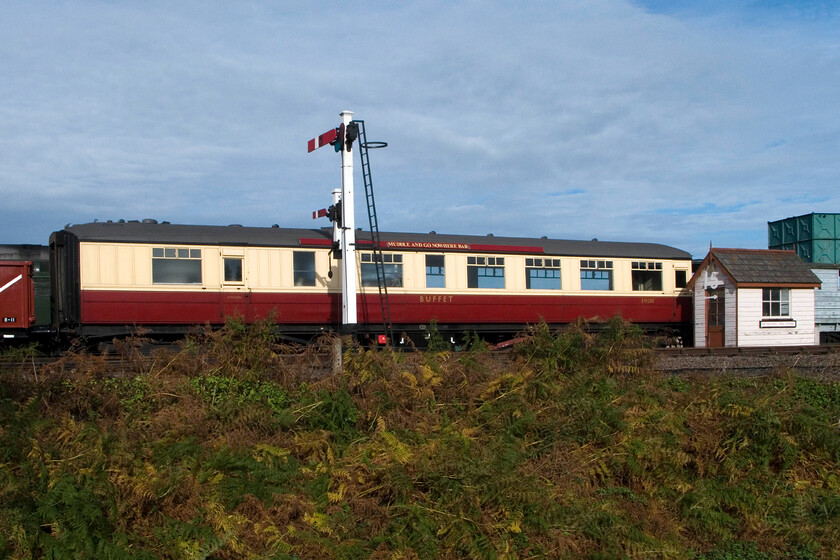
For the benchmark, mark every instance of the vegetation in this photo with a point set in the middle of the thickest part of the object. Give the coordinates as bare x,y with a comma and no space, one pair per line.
235,446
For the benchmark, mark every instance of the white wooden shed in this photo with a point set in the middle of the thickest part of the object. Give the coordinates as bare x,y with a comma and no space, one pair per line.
753,297
827,302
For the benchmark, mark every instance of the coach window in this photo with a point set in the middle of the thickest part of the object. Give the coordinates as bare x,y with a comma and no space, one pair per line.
233,270
391,266
176,265
680,278
775,302
435,272
304,268
596,275
542,274
647,276
486,272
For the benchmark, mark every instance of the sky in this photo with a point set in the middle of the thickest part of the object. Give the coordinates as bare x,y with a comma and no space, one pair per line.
686,123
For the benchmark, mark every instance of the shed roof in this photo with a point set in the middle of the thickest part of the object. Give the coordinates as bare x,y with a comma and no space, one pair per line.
762,267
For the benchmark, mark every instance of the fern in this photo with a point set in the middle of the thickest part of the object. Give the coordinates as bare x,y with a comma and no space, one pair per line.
572,449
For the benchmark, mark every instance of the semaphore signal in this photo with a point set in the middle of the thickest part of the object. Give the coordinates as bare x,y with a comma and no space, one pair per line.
344,229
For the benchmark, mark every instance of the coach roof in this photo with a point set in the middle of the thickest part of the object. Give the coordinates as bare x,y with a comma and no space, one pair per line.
149,231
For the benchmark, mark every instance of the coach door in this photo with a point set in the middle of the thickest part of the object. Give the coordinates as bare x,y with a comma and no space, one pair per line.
236,297
715,317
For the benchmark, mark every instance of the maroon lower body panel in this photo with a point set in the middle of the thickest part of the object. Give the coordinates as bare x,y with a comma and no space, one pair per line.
185,308
188,308
524,309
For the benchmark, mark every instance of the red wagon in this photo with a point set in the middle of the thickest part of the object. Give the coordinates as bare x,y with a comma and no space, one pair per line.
17,298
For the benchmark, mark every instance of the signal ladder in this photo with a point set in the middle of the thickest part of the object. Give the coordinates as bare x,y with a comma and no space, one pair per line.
378,257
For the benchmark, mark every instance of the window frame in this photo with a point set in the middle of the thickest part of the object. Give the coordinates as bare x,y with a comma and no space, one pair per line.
596,270
644,272
392,266
551,270
775,302
241,270
439,274
478,267
173,261
308,277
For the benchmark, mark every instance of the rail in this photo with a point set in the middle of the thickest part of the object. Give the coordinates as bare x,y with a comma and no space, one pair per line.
821,361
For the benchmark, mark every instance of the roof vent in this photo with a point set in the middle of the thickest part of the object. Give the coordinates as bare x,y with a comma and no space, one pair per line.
433,232
235,225
275,226
544,237
594,239
149,221
121,221
490,235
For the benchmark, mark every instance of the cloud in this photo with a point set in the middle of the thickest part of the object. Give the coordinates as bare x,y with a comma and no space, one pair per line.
631,121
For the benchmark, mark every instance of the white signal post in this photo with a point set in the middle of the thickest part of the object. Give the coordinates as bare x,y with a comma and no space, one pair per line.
348,234
345,233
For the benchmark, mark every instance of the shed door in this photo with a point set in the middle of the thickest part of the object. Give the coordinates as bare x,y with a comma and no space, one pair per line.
715,317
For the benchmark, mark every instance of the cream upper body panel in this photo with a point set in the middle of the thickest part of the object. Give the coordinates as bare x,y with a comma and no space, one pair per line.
172,267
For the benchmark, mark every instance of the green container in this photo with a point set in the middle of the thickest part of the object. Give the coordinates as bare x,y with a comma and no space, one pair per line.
774,235
814,237
804,227
825,226
805,250
826,251
781,233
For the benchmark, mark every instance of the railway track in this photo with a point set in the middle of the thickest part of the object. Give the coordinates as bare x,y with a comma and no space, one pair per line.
752,351
821,361
815,361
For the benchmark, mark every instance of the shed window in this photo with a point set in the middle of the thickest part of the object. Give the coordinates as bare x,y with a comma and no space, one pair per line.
176,265
647,276
542,274
391,266
775,302
596,275
486,272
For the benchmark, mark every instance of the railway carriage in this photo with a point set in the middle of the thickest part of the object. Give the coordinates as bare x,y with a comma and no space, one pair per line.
17,299
24,292
110,278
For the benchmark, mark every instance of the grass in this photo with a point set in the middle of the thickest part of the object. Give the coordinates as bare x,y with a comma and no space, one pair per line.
233,447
